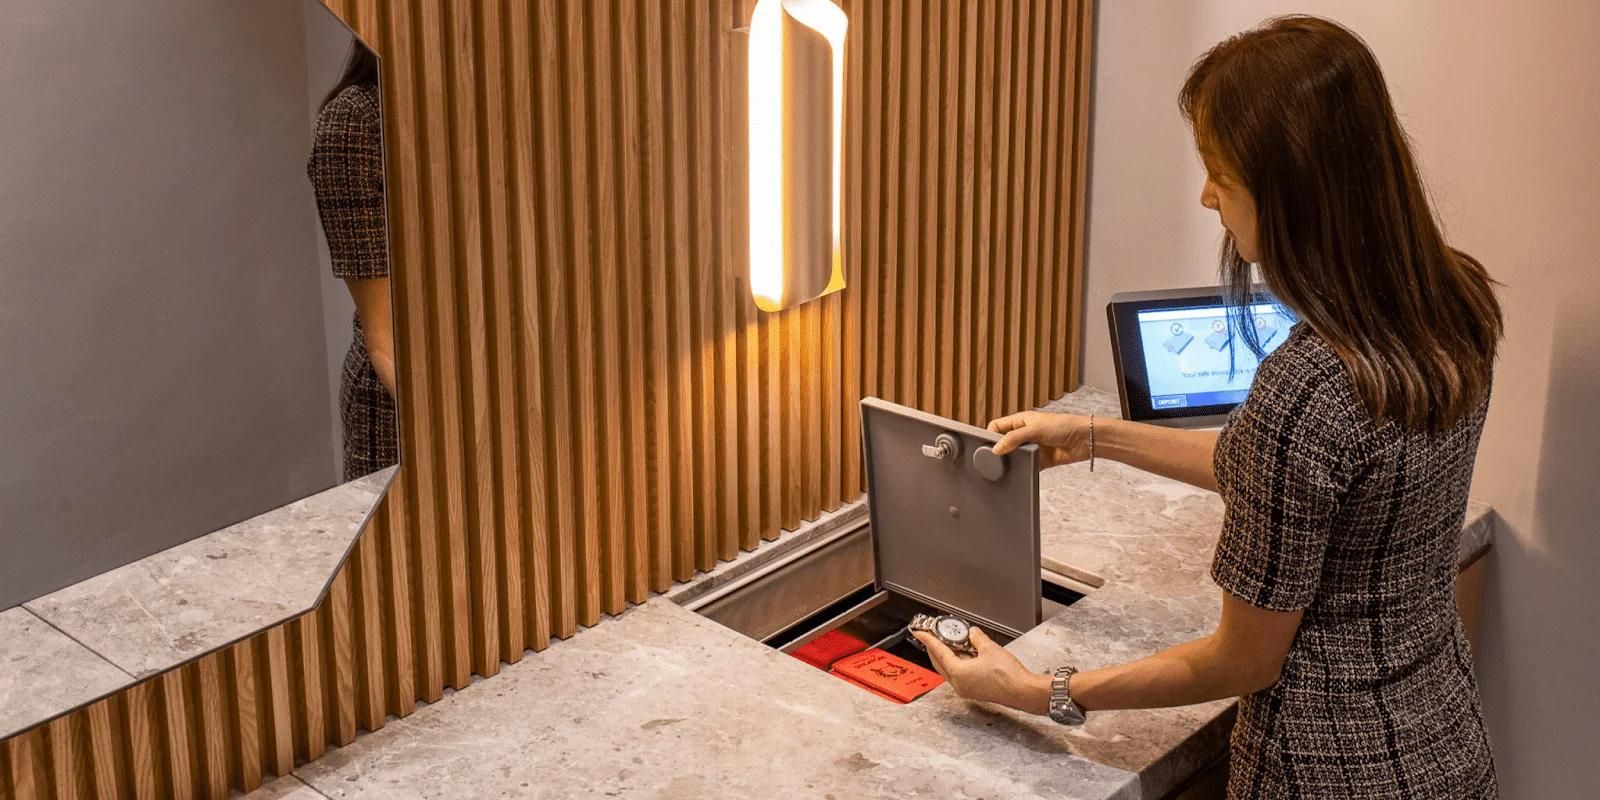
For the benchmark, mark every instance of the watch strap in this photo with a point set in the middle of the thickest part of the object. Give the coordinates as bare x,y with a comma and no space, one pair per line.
1062,708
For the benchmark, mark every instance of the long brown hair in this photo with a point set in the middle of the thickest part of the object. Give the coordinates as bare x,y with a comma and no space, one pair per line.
360,69
1349,242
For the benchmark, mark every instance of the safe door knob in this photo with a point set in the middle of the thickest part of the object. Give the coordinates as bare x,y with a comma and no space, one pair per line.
944,448
989,464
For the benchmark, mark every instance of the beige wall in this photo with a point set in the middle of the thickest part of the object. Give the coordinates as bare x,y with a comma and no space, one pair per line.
1503,102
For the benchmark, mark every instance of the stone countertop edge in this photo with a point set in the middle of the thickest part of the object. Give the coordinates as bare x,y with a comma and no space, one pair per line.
44,673
109,666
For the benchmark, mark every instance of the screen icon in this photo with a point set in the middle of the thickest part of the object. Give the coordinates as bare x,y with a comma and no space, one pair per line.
1179,339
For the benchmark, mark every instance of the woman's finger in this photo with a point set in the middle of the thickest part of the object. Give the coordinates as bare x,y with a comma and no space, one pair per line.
1007,423
941,656
981,641
1015,439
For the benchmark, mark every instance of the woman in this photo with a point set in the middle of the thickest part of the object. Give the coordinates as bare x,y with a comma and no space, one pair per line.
1344,473
346,169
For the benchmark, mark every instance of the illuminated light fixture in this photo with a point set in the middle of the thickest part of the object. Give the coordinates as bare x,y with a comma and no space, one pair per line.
796,107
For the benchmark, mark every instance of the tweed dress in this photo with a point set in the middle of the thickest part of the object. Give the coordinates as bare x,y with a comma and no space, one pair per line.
346,170
1357,523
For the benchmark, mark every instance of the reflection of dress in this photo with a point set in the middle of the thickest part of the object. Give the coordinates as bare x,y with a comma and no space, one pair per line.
346,169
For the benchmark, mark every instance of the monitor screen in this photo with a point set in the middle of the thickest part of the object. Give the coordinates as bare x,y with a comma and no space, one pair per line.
1187,354
1180,359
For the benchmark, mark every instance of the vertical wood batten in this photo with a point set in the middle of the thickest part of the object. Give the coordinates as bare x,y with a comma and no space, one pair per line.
945,202
910,137
1032,268
441,272
1000,365
634,421
473,247
679,238
577,210
888,314
732,464
652,289
558,327
925,60
702,83
966,210
68,776
590,404
503,529
987,106
1050,290
420,551
533,508
752,381
1083,50
869,22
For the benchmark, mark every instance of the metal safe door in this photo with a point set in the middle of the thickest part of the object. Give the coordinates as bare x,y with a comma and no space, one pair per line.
944,531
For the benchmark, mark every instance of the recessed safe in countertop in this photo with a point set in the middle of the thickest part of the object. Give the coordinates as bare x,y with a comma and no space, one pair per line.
954,529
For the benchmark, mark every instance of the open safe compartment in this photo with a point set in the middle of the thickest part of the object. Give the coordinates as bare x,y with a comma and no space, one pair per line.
952,528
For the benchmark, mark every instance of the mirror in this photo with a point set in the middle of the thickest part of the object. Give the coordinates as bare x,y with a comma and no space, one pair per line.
193,210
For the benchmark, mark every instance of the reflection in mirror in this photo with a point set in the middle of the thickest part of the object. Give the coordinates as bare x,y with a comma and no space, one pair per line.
346,169
193,215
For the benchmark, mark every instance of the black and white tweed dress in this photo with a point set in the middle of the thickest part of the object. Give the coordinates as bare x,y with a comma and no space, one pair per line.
346,171
1358,524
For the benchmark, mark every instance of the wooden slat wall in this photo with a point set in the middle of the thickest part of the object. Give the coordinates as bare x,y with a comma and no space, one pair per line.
592,408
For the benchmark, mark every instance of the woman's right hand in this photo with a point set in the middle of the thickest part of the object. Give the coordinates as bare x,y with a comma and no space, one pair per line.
1062,438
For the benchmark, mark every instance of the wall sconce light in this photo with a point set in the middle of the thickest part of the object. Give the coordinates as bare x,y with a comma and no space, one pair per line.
796,107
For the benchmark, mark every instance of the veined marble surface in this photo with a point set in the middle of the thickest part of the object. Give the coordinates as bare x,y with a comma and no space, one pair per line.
662,703
161,611
77,644
42,672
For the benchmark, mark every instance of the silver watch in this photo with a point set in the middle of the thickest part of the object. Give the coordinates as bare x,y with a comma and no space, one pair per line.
1062,709
955,632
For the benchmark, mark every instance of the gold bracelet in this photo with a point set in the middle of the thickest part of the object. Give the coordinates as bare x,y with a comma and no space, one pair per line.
1091,443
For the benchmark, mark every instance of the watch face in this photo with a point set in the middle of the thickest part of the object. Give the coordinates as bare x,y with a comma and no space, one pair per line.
1066,715
952,629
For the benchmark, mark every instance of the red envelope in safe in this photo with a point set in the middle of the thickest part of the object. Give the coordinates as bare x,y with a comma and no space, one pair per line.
888,674
822,651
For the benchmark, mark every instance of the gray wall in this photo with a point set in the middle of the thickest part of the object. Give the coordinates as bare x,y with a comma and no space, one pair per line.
1502,104
161,315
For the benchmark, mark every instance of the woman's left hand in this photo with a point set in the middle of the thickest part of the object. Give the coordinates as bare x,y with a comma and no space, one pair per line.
994,675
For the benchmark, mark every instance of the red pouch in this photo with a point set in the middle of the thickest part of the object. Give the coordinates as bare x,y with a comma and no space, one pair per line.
888,674
865,688
822,651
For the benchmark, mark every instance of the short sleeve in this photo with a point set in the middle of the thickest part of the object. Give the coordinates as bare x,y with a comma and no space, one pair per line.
346,170
1281,471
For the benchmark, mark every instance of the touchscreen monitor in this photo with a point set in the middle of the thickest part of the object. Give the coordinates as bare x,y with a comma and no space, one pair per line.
1180,359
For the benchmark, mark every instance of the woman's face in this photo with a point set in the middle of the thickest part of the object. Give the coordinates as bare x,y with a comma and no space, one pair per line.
1225,194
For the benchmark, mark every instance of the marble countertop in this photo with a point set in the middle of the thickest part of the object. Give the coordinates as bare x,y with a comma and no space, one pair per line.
663,703
78,644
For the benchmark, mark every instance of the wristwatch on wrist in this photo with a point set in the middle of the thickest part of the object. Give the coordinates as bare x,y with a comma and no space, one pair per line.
955,632
1062,709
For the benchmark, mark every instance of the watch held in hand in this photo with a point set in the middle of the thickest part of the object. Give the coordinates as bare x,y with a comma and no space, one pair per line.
955,632
1062,709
